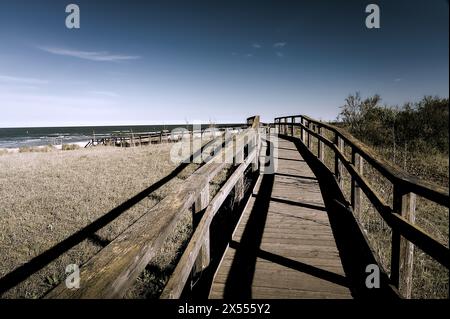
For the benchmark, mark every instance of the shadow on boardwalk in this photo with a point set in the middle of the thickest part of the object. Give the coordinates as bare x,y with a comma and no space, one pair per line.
353,249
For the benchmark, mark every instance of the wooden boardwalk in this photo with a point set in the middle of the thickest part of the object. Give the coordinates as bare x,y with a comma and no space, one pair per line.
283,246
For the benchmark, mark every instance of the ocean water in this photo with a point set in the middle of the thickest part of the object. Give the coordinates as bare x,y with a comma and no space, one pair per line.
39,136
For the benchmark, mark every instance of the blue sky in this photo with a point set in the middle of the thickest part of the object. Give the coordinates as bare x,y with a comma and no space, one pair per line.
148,62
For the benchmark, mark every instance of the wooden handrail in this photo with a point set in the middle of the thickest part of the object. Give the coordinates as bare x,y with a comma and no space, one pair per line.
181,273
111,271
394,174
401,216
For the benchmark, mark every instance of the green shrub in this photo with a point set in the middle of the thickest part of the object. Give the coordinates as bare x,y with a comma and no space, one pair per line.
418,126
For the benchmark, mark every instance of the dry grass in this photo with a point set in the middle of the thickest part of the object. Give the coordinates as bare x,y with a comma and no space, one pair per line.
153,279
40,149
430,279
70,147
45,197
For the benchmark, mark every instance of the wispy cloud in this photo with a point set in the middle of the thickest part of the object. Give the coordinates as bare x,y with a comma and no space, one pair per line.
249,55
102,56
257,45
397,80
279,44
105,93
279,54
20,80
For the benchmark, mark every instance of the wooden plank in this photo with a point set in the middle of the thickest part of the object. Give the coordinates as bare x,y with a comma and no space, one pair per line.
283,277
313,259
259,292
292,232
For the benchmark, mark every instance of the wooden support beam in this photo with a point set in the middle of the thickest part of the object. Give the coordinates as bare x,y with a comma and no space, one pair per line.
356,194
292,126
402,253
338,168
238,151
204,255
302,131
309,125
320,146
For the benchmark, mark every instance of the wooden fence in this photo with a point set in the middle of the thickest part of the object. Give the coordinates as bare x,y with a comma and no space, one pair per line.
129,139
400,217
115,268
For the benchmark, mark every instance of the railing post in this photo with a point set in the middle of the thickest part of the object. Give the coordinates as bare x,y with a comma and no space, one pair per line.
402,252
320,145
203,258
238,150
292,126
356,196
254,146
301,130
309,135
337,162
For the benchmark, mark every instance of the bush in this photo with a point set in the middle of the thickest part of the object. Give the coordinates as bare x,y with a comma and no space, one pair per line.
41,149
70,147
421,126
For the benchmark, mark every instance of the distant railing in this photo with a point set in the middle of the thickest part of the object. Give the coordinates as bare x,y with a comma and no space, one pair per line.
127,139
400,218
115,268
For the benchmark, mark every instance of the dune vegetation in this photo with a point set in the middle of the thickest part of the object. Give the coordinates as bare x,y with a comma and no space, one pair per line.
47,196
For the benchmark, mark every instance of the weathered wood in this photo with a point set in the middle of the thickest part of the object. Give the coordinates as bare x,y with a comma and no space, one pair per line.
109,273
302,132
402,227
393,173
261,292
180,275
320,146
290,231
308,134
410,231
337,162
204,255
402,250
292,126
356,194
254,145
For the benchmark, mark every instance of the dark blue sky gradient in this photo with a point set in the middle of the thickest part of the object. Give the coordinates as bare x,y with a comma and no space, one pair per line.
213,60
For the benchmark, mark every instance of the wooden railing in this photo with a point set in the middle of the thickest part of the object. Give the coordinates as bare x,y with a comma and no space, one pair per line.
197,249
400,217
115,268
127,139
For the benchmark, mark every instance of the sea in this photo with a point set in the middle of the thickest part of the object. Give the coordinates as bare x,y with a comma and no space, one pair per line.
40,136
